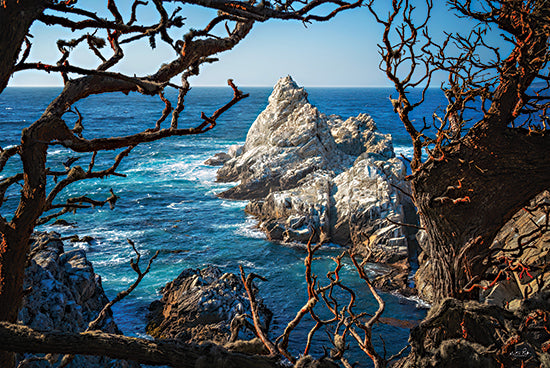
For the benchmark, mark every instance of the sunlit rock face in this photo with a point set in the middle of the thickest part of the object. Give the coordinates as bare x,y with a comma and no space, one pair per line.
65,295
309,175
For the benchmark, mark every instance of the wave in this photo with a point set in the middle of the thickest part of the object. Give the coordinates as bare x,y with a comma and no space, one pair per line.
406,151
250,229
179,205
233,204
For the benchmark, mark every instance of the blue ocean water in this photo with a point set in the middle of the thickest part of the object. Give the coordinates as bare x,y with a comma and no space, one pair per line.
168,201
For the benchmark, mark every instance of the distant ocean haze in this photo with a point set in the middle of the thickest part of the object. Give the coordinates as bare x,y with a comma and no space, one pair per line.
168,199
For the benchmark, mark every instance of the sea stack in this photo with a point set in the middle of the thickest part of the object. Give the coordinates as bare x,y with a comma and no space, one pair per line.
307,174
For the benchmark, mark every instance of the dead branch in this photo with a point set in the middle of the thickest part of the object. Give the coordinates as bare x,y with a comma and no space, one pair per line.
366,343
247,282
19,338
106,310
74,203
6,154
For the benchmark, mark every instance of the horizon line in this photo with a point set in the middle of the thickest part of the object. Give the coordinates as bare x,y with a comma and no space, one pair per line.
241,86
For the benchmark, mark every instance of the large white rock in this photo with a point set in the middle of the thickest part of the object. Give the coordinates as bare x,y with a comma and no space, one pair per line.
308,173
288,140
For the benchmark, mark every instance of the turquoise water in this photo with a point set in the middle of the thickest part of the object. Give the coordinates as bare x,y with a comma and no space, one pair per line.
168,202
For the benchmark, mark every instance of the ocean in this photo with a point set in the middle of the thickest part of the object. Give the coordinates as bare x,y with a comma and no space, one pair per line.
168,202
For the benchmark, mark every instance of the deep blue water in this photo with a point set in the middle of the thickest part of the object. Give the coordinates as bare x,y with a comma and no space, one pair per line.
168,203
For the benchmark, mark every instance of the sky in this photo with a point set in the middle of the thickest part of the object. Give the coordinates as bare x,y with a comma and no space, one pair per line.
341,52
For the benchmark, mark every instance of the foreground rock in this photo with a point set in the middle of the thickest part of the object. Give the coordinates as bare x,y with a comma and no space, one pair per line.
307,174
65,295
199,306
471,334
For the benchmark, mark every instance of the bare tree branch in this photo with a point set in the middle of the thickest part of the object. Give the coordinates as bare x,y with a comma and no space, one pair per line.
19,338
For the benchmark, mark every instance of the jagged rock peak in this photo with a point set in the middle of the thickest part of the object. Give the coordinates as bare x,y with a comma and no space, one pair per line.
287,90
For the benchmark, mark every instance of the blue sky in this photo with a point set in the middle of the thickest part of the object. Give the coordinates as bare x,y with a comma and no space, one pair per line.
340,52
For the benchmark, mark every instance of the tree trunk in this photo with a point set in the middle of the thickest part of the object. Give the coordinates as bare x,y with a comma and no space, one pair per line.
466,198
13,256
15,236
16,17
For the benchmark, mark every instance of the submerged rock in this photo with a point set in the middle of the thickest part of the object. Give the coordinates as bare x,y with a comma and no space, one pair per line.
199,306
65,295
308,174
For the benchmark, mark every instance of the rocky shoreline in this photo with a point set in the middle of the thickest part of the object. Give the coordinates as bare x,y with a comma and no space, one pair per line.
65,294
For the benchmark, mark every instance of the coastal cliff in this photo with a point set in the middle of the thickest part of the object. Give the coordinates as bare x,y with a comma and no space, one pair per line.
307,174
64,294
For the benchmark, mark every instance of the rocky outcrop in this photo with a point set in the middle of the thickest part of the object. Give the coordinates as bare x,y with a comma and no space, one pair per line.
221,158
199,306
65,295
309,174
471,334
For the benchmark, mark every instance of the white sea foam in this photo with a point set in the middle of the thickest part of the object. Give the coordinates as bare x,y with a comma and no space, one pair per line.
193,171
233,204
406,151
113,261
250,229
227,226
178,205
218,188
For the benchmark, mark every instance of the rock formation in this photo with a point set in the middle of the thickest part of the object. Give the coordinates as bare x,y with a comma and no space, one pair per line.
308,173
199,306
65,294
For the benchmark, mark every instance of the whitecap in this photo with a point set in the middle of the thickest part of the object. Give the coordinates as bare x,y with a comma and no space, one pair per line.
178,206
9,108
227,226
115,261
233,204
247,264
192,171
406,151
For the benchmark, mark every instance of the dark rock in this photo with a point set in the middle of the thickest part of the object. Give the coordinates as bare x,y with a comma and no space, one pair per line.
85,239
199,306
61,222
309,362
65,295
395,278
